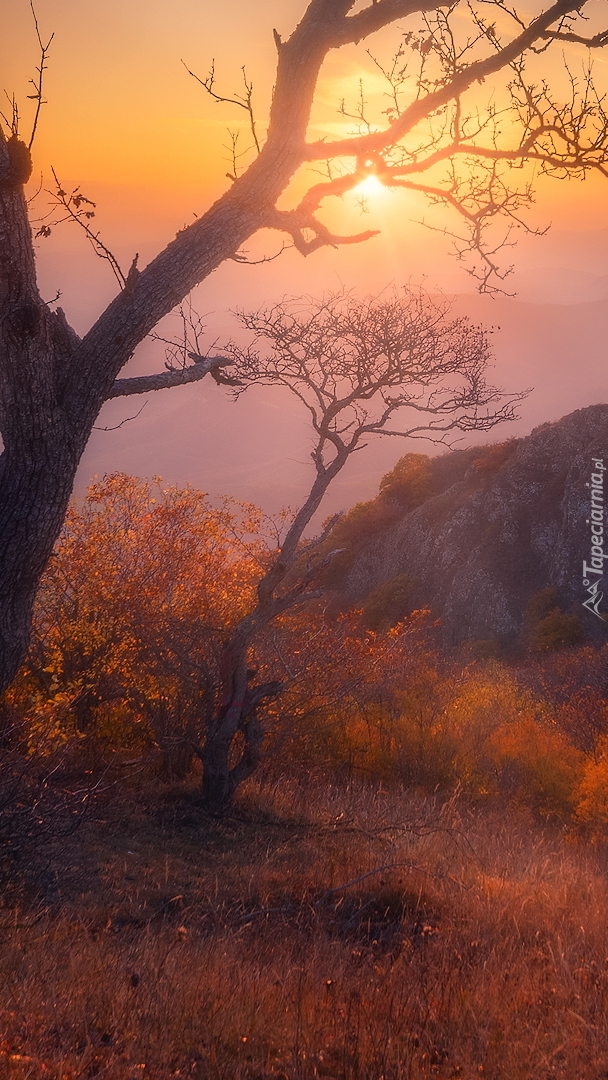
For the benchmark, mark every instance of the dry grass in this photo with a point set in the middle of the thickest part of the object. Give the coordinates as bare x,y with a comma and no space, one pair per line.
181,946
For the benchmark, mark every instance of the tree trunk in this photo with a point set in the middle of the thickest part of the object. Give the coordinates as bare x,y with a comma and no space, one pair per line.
39,459
52,385
237,713
220,781
218,788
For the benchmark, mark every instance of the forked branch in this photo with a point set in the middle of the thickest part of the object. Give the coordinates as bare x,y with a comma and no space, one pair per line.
38,82
244,101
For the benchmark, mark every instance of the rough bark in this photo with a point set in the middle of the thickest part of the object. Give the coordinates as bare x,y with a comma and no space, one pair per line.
239,714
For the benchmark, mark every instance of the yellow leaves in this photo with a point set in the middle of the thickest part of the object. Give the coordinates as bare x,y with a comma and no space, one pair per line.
538,764
145,584
476,730
592,805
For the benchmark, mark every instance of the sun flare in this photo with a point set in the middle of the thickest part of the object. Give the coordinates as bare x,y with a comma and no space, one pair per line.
371,187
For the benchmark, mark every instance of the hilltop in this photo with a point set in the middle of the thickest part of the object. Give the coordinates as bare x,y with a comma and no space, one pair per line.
492,539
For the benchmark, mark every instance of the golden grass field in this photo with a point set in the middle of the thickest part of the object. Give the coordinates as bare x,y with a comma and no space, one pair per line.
321,930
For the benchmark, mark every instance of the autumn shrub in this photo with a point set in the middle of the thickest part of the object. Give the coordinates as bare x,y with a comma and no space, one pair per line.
556,631
491,458
390,602
547,627
573,683
476,730
592,794
410,482
483,648
496,741
334,711
122,724
490,739
145,582
488,698
430,728
536,766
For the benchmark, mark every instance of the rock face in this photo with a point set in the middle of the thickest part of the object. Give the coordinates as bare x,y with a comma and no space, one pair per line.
492,528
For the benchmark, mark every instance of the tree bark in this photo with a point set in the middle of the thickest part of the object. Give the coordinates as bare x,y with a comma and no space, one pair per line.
40,457
220,779
52,385
218,789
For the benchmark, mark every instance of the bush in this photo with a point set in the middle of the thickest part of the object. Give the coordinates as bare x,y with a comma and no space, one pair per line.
389,603
556,631
410,483
536,766
491,458
592,806
477,731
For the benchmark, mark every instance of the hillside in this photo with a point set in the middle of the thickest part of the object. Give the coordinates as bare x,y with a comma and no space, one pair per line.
491,539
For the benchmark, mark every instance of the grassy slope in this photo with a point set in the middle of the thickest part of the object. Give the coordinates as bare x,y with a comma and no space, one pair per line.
176,945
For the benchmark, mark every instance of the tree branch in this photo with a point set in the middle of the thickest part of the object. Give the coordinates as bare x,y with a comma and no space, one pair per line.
162,380
425,106
596,42
38,83
297,222
245,102
380,14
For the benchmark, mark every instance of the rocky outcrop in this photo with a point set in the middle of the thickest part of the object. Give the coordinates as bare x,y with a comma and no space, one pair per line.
492,528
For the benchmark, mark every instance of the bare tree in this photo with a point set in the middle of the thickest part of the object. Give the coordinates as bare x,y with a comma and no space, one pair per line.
398,366
436,137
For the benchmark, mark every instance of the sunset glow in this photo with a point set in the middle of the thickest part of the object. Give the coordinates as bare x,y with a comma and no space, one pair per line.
371,188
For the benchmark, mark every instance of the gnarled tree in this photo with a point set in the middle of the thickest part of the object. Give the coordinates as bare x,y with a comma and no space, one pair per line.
431,139
398,366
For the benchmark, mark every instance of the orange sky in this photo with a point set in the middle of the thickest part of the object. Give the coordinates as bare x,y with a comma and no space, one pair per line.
126,122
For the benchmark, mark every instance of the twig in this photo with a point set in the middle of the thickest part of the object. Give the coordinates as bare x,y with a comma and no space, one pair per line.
73,205
125,421
393,866
37,83
243,102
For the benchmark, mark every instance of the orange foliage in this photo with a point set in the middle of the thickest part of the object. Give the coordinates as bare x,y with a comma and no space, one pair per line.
592,808
340,680
147,583
144,584
537,766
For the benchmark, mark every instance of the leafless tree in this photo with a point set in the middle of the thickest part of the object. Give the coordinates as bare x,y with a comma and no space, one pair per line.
397,366
437,137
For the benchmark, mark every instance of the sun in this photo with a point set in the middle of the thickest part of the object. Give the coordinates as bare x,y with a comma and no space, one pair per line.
371,187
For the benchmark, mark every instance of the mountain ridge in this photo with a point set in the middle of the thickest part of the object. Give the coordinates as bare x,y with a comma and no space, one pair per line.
482,550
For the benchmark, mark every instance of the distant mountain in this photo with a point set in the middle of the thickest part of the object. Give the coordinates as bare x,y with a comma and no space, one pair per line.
494,540
559,285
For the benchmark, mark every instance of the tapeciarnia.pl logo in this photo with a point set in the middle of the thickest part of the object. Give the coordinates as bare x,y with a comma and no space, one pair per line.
593,571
